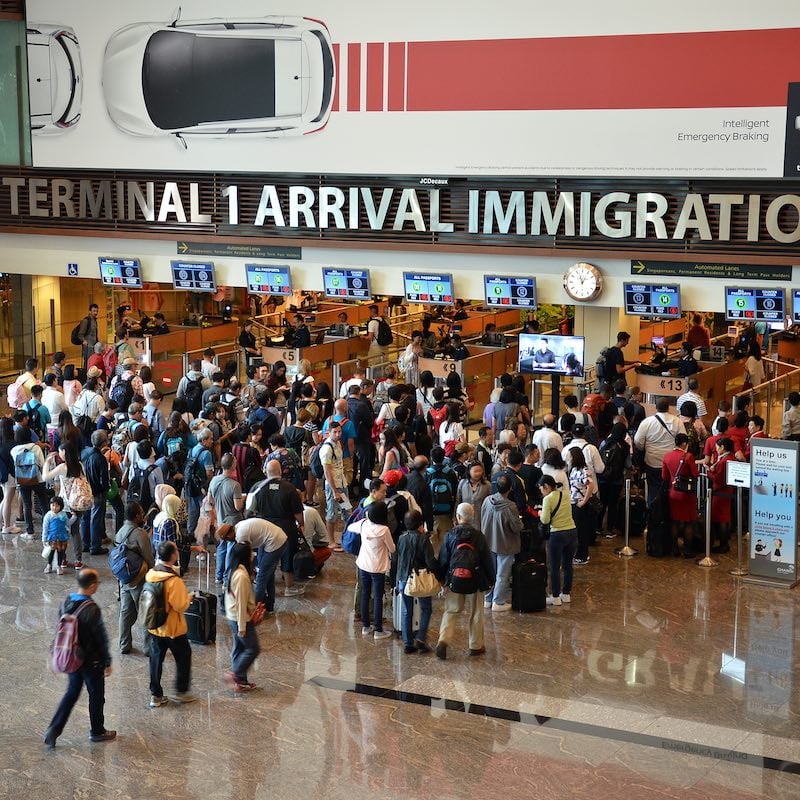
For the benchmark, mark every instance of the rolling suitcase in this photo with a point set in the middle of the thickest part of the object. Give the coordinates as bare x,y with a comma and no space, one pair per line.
397,613
201,616
529,586
303,561
659,528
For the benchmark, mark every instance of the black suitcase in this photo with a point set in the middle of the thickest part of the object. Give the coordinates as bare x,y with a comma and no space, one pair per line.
201,616
305,566
529,586
659,528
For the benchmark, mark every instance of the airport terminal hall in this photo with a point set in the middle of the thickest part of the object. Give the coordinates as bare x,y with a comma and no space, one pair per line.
399,401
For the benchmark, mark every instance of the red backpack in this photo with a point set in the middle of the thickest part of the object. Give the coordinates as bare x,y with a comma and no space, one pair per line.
110,362
66,654
438,415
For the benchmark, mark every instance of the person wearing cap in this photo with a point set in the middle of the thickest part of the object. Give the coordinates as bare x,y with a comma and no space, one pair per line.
457,461
336,499
395,500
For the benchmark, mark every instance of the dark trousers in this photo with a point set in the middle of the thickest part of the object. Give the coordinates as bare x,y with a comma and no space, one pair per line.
119,512
654,484
245,650
182,651
609,496
93,524
372,583
585,525
364,454
42,495
94,678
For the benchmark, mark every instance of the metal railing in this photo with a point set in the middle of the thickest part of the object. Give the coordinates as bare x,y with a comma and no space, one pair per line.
767,398
231,353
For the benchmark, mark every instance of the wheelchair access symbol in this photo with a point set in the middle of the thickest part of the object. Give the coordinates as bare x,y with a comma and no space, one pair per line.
72,270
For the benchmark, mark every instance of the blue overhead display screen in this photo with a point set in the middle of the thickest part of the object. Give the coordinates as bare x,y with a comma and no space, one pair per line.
430,288
268,280
796,306
509,291
194,277
123,273
653,300
753,305
346,284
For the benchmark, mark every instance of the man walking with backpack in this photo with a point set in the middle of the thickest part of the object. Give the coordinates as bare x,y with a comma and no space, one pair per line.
379,333
164,608
468,569
443,483
133,541
82,632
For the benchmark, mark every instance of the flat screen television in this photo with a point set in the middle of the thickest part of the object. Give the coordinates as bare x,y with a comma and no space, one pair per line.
551,355
429,288
194,276
346,284
122,273
796,306
754,305
509,291
661,300
263,279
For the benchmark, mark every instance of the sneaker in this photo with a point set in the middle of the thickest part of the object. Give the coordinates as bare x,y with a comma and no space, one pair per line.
421,646
580,562
66,564
409,649
501,606
50,740
28,537
13,529
382,635
242,688
487,603
367,631
184,697
611,535
441,651
553,601
105,736
78,565
293,591
157,702
565,598
47,569
60,571
101,551
477,652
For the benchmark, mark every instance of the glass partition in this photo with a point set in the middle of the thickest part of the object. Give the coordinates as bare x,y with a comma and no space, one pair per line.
15,129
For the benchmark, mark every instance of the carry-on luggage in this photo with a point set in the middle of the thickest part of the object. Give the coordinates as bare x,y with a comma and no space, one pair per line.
659,528
397,613
303,562
638,514
529,586
201,616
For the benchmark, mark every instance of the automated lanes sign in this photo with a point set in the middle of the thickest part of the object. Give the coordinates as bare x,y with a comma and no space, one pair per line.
236,250
696,269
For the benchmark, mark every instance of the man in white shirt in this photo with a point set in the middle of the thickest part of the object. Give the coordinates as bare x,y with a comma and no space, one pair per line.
546,437
723,410
53,397
359,373
694,397
330,456
377,352
590,452
207,365
790,424
269,541
656,436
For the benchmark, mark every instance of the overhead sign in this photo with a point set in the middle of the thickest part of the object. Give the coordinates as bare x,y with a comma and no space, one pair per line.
773,510
509,291
346,284
121,273
193,276
236,250
754,305
262,279
691,269
653,300
430,288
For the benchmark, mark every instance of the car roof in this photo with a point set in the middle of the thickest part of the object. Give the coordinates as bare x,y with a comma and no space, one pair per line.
189,79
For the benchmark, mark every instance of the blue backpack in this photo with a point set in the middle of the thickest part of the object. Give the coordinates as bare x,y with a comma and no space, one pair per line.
441,489
125,562
26,470
351,540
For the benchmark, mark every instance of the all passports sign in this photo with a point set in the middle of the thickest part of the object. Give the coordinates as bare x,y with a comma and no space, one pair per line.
773,512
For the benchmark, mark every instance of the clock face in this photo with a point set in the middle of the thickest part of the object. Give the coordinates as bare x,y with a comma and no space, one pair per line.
583,282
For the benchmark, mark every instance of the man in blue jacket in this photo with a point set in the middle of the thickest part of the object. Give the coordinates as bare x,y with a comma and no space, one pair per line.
96,666
462,543
95,465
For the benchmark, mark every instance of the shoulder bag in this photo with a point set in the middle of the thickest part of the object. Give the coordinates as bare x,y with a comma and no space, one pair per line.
686,483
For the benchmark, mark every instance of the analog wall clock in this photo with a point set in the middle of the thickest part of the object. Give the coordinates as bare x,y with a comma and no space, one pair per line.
583,282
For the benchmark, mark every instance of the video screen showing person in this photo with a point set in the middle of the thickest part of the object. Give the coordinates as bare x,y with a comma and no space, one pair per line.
551,354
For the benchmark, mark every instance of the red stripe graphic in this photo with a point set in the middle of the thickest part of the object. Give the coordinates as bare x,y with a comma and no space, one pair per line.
375,76
353,77
678,70
397,76
335,105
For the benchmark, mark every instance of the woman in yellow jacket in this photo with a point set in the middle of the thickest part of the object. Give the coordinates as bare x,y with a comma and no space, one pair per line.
240,606
172,634
563,540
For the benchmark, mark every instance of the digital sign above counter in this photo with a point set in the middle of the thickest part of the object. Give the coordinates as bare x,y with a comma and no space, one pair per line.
754,305
263,279
194,276
653,300
121,273
509,291
430,288
346,284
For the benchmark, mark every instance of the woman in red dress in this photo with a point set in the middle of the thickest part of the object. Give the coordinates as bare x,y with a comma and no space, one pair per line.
722,495
682,505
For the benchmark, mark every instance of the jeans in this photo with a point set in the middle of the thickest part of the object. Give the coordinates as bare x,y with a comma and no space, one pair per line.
372,583
425,608
560,551
43,497
75,532
128,611
245,650
93,524
182,651
502,584
265,580
654,483
193,505
94,678
221,554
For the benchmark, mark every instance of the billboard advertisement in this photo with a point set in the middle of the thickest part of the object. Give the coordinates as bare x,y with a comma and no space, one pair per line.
444,89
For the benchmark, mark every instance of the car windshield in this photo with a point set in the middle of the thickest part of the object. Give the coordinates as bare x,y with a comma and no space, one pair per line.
189,79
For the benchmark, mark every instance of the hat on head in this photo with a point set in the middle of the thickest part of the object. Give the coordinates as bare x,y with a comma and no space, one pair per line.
462,447
94,372
392,477
129,361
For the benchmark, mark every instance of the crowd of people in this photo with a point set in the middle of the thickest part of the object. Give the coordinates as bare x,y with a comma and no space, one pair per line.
281,471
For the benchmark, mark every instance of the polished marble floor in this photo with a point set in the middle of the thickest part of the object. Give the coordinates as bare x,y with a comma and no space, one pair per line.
660,680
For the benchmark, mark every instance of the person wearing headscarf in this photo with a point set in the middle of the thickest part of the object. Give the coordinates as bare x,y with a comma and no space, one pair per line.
166,527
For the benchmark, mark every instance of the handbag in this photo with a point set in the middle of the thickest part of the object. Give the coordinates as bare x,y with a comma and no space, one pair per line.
46,551
595,505
544,527
685,483
421,583
258,614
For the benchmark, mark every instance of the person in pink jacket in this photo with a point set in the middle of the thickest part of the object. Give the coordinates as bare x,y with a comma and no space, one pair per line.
373,560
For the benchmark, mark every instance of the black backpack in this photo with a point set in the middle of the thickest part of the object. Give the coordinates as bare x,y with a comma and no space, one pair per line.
75,337
195,479
384,336
153,611
139,487
122,393
464,567
614,458
35,419
193,395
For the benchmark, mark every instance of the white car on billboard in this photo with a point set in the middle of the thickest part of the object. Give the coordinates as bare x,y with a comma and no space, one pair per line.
55,79
272,76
